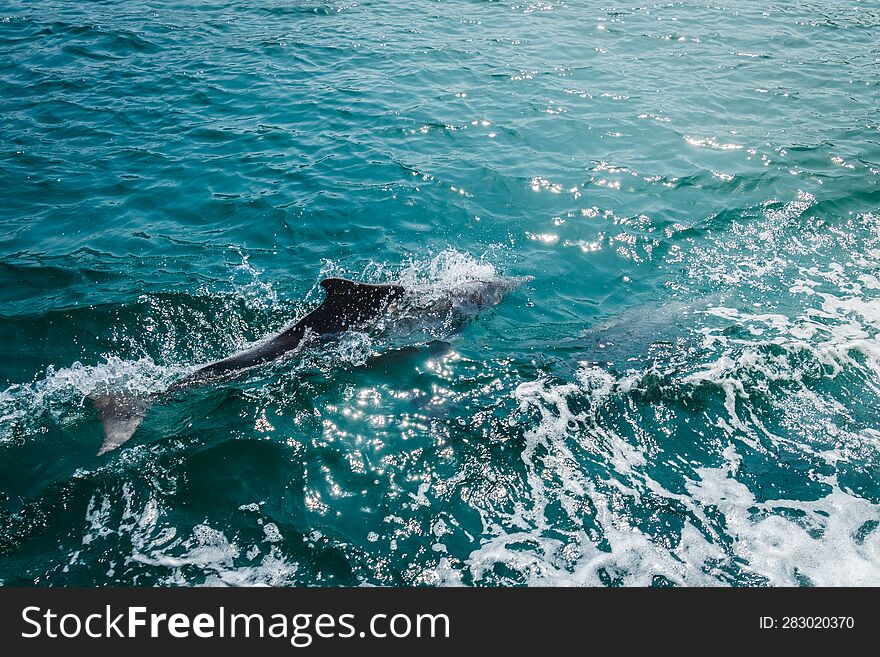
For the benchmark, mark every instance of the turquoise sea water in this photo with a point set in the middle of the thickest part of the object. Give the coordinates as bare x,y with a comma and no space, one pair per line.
687,393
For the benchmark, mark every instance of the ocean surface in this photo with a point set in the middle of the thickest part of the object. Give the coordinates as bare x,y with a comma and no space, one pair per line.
686,393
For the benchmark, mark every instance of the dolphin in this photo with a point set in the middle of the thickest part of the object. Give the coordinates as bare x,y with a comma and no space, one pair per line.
347,305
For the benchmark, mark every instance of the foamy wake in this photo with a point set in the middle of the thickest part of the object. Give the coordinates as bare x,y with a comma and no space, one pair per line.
812,369
827,542
577,519
204,556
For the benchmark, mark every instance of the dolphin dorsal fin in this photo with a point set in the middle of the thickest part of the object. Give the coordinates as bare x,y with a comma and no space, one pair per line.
338,286
348,291
352,303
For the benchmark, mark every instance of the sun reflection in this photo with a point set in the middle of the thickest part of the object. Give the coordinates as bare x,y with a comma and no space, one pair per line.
839,161
538,184
262,424
369,396
442,365
584,245
712,142
313,503
546,238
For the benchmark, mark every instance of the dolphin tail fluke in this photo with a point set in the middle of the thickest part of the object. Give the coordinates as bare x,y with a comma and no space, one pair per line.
120,414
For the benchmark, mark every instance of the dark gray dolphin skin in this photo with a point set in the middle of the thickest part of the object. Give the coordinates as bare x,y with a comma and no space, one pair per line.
347,305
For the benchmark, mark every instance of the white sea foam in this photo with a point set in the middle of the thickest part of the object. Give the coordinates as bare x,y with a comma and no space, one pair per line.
791,357
202,556
820,544
60,395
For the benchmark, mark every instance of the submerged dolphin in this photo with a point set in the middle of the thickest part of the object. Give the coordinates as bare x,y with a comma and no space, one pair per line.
347,305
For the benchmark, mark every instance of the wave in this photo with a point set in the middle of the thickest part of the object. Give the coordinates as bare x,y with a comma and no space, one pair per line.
747,458
600,507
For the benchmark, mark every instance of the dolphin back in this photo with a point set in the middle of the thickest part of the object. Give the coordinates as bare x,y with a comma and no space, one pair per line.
347,305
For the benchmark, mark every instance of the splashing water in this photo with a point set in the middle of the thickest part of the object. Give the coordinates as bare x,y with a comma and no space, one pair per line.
686,393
